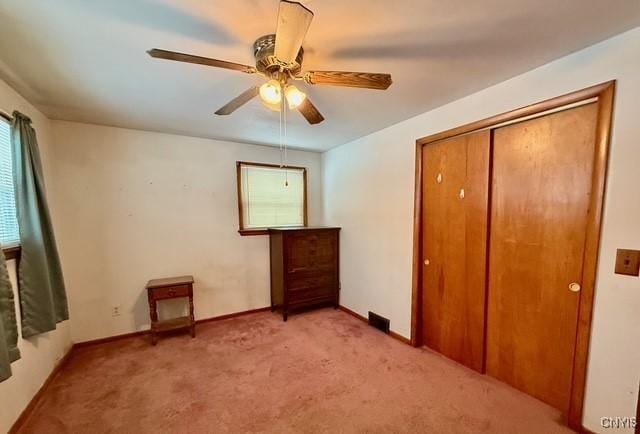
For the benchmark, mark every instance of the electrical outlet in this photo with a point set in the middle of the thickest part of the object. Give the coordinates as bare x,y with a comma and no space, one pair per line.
115,311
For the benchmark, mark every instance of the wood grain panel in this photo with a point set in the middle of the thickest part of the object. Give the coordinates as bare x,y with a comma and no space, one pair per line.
311,251
276,255
454,244
637,431
367,80
310,112
238,101
416,266
199,60
542,172
599,90
603,133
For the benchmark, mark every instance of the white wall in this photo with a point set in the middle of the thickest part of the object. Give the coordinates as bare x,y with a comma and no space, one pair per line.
368,190
137,205
41,353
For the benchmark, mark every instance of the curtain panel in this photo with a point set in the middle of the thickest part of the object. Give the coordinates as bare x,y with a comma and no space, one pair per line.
43,299
8,328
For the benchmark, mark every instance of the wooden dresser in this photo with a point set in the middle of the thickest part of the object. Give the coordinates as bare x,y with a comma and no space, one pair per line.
304,267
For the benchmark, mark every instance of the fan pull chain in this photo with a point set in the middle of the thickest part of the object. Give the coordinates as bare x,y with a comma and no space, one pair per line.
280,135
284,116
283,145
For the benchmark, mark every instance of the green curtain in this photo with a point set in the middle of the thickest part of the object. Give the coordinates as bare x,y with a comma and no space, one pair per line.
8,329
43,299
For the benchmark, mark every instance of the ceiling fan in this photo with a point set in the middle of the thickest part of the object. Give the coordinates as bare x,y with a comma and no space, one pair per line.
279,58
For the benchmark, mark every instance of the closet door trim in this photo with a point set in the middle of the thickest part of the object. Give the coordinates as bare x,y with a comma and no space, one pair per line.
604,93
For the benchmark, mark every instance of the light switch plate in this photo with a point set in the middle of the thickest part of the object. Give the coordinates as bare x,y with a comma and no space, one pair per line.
628,262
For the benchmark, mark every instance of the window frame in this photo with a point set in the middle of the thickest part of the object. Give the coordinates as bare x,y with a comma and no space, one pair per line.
263,231
10,252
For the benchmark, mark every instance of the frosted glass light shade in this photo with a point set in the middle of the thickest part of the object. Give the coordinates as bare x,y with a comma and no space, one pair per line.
271,92
294,96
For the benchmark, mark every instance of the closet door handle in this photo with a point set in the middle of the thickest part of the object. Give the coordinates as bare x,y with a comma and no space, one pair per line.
574,287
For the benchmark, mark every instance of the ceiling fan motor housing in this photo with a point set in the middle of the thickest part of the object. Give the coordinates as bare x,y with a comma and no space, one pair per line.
266,61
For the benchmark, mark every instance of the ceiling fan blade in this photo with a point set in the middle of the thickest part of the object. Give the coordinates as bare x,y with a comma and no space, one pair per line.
366,80
189,58
238,101
310,112
293,22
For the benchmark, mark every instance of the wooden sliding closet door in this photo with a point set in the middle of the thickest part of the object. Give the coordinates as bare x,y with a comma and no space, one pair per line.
455,199
541,184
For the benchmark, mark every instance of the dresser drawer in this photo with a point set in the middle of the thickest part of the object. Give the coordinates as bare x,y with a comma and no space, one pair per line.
312,251
310,280
309,294
313,268
170,292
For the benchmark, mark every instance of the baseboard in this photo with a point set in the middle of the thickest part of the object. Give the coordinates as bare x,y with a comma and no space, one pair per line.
144,332
233,315
362,318
33,404
109,339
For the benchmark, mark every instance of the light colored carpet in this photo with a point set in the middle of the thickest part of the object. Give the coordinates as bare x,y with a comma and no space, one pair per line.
322,371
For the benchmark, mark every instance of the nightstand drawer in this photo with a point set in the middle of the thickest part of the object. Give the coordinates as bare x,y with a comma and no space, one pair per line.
170,292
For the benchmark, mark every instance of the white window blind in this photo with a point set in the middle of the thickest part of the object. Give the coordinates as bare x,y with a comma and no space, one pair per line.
271,196
9,235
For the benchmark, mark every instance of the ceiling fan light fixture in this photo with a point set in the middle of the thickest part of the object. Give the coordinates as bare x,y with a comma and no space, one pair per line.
294,96
279,58
274,107
271,92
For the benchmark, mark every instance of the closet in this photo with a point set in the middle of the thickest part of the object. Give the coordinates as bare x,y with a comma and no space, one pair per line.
455,189
507,222
539,201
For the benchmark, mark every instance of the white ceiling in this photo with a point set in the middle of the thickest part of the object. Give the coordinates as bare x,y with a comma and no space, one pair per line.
85,60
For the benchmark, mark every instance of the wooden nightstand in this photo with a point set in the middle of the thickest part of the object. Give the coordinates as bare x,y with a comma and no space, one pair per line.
163,289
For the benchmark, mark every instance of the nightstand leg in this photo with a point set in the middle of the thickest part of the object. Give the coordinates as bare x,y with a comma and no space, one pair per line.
285,315
153,314
191,316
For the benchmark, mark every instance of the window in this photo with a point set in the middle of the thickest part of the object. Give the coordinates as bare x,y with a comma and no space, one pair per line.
271,196
9,235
